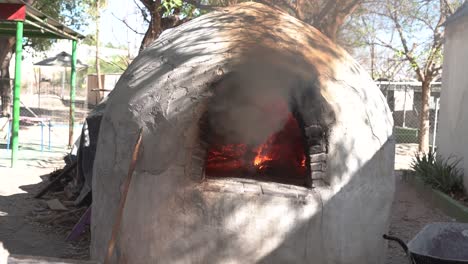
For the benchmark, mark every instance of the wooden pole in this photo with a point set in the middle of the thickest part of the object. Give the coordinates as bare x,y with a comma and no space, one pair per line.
123,198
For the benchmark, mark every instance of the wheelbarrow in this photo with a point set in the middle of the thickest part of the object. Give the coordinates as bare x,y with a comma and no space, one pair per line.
437,243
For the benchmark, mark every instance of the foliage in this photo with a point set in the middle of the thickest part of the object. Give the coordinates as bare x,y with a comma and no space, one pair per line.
326,16
113,46
115,64
171,5
89,40
412,32
72,13
440,174
406,31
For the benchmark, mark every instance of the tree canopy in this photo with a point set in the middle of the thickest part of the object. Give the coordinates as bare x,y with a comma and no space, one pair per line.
326,16
412,33
72,13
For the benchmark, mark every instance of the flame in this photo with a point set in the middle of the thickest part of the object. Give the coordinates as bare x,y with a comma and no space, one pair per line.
282,152
261,157
303,162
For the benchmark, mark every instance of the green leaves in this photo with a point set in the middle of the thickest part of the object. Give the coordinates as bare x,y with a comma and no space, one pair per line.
440,174
170,5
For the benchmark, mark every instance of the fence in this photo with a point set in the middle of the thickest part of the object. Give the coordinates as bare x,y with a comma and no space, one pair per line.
44,113
405,101
49,99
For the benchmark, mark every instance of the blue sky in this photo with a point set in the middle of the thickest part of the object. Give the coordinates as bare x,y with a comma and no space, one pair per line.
114,30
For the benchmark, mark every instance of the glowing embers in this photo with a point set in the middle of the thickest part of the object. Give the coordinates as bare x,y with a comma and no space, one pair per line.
280,158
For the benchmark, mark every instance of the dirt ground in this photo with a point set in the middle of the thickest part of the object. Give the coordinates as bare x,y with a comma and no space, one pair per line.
27,225
23,228
22,232
410,213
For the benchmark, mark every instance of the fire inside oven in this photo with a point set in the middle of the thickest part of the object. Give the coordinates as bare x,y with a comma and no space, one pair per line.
281,157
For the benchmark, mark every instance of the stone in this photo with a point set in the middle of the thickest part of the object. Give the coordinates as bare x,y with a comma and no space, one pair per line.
21,259
314,131
56,205
317,175
317,149
317,166
278,190
252,188
318,157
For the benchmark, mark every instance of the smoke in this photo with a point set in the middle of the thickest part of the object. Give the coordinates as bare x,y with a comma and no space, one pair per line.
253,102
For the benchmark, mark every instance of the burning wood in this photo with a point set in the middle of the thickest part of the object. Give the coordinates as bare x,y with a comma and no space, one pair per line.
283,152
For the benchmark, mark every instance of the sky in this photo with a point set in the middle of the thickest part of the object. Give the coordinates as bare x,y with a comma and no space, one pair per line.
114,31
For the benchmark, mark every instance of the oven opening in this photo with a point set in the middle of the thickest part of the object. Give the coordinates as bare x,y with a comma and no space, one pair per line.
274,155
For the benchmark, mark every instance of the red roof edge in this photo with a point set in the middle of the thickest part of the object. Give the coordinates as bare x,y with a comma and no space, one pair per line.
15,12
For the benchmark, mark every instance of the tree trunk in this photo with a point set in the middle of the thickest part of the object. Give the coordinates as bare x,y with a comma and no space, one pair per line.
98,67
332,16
154,27
6,52
424,118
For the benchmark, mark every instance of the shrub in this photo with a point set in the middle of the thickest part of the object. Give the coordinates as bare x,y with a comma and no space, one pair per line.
441,174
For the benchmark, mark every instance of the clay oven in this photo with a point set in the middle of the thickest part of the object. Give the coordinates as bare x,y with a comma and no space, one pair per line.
263,142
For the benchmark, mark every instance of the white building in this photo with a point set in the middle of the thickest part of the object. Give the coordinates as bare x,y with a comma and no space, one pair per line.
452,137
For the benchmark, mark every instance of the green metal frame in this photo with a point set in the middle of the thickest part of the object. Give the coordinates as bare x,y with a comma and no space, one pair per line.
39,25
72,93
17,92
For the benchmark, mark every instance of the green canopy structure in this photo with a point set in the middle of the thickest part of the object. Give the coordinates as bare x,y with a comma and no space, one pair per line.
18,19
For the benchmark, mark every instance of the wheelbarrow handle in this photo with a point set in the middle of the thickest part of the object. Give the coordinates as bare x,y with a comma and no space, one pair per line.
401,242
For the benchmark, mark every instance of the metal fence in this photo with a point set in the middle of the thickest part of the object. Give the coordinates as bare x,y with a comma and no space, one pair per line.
48,97
44,114
405,100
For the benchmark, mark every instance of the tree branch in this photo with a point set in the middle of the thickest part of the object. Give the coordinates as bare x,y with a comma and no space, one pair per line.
127,25
143,11
404,43
148,4
112,63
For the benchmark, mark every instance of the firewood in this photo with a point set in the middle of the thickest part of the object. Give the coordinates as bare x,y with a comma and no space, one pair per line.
56,180
56,205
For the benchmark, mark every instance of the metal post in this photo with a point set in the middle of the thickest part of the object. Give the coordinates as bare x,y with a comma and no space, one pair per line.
42,136
9,133
404,108
72,94
434,132
50,126
63,82
39,93
16,92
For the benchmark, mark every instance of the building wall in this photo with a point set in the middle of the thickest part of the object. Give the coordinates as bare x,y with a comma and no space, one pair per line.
452,138
108,83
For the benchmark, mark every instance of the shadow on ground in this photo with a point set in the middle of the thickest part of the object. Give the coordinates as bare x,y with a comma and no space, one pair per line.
27,226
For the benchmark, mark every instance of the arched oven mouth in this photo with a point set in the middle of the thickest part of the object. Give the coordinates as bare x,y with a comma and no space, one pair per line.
291,154
280,157
262,130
